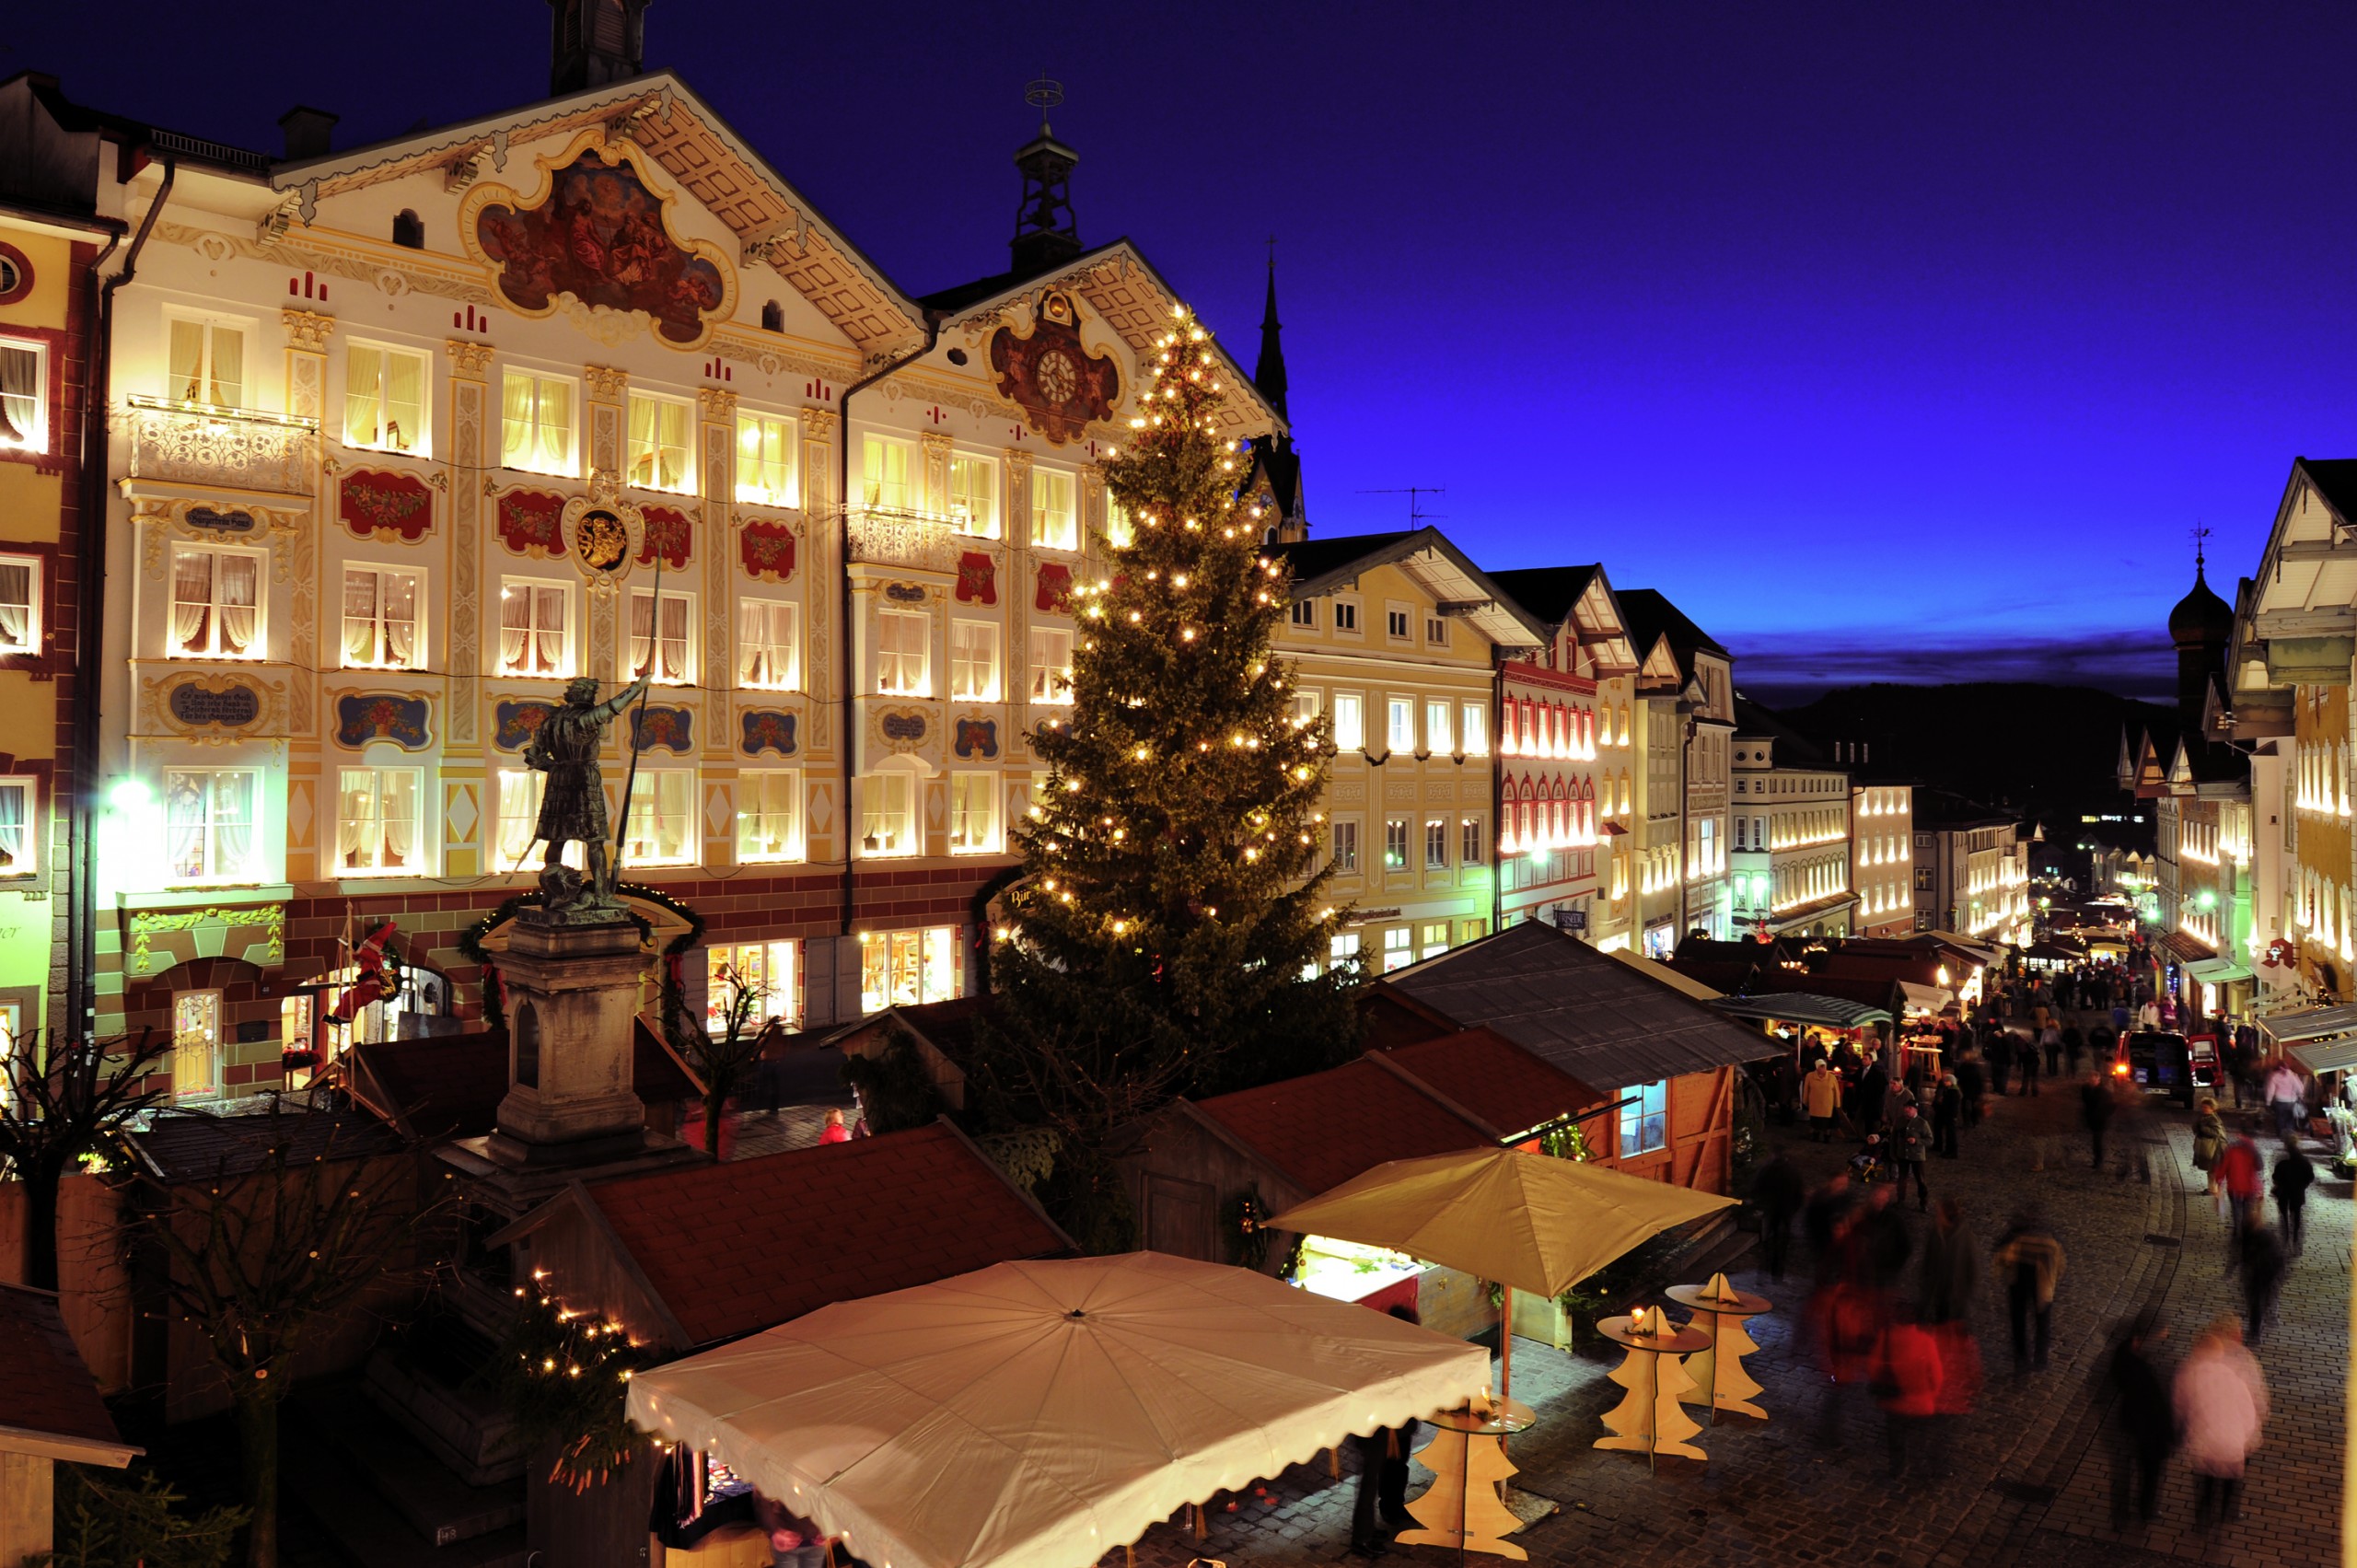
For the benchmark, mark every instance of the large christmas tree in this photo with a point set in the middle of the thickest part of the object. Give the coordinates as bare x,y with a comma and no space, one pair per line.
1169,929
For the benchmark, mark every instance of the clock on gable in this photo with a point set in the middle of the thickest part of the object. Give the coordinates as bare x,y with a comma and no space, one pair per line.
1046,373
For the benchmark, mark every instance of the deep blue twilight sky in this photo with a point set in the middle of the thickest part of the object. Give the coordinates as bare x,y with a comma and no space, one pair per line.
1890,340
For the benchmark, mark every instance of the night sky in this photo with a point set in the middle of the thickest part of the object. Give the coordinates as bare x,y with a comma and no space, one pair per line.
1890,340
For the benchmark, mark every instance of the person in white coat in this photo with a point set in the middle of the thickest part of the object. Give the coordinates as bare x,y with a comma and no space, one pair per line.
2221,1402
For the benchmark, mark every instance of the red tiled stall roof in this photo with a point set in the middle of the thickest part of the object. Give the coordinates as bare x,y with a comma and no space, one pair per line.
734,1248
1329,1127
49,1404
1496,1079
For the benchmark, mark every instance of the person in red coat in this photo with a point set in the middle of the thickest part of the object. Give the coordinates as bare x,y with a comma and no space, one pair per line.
1908,1383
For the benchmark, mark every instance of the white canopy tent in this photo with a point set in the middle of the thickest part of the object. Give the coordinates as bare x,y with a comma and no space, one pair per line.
1040,1414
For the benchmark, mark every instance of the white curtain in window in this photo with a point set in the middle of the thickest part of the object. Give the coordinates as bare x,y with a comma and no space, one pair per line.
359,617
228,387
515,425
553,451
187,362
356,819
233,824
397,801
185,810
191,599
400,592
548,621
645,441
20,394
12,826
515,627
364,404
16,604
671,651
404,401
641,629
238,581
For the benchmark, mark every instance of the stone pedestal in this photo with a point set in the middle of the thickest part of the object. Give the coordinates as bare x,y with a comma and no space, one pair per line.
572,994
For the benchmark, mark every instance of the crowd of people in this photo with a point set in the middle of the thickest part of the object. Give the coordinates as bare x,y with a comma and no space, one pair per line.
1889,1318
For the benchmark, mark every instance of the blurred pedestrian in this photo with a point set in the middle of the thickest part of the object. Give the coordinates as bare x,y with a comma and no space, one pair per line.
1778,1193
1910,1146
1822,1220
2285,1089
2000,1053
1821,1094
2291,1178
2262,1273
1972,1085
1950,1272
2143,1426
1907,1385
2029,1261
2220,1399
1882,1242
2209,1143
2028,1054
1947,1114
2242,1176
2096,1108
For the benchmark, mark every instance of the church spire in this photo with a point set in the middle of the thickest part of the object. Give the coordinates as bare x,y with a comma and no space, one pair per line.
1269,370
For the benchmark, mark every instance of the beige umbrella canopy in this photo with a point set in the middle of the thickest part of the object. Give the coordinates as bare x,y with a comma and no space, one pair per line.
1038,1414
1529,1220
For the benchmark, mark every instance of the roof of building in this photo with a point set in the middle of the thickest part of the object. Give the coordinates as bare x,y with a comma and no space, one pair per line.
733,1248
181,1146
1650,615
1548,592
1325,1128
2201,618
948,1026
450,1086
1945,809
1512,1089
1427,557
2336,481
48,1403
1600,1021
1792,749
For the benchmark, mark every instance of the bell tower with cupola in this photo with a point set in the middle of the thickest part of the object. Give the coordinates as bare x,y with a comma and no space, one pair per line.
2202,627
1046,233
594,42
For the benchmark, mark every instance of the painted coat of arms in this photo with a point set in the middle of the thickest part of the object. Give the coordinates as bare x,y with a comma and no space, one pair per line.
599,234
1046,373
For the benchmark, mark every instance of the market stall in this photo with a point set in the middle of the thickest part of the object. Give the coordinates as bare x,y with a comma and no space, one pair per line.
1040,1414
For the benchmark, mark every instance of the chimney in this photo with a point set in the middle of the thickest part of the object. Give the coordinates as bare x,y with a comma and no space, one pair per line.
308,133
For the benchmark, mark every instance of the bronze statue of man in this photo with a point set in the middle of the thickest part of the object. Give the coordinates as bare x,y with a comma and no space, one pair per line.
573,807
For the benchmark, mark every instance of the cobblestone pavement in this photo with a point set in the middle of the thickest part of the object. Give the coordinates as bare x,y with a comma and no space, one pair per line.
2027,1475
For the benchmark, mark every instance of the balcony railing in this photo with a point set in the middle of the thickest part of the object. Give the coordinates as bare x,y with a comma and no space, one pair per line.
887,536
179,443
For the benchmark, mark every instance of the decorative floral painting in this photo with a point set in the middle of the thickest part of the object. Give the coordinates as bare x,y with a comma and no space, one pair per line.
667,535
515,723
531,522
767,729
977,738
1055,589
672,728
395,506
364,716
599,235
767,549
977,578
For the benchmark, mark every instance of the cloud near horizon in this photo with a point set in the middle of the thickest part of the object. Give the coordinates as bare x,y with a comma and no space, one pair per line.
1787,666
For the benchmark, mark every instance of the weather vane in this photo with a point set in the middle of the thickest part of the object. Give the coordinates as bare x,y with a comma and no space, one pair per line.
1043,93
2201,535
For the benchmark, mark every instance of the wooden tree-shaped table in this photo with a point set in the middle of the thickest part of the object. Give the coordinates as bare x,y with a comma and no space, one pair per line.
1715,1374
1468,1458
1650,1421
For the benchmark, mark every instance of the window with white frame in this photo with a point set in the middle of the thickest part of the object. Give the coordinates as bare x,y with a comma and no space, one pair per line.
520,792
661,450
662,818
768,815
903,969
771,971
1055,518
1435,939
1645,1118
973,660
1472,841
19,840
973,812
1120,532
1398,953
889,478
1435,631
1395,844
1399,732
196,1044
1435,846
1437,737
381,619
1346,615
217,603
661,637
1395,622
24,395
212,822
765,453
206,362
20,604
385,398
1476,729
769,643
1304,613
536,423
887,814
535,627
1306,708
1341,949
1350,721
902,643
1051,664
1346,848
974,495
377,822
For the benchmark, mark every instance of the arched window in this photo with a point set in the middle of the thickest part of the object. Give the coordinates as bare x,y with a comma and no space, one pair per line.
408,230
772,317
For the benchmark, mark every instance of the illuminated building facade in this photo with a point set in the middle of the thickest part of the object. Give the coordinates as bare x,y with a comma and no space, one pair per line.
408,436
1690,763
1790,812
